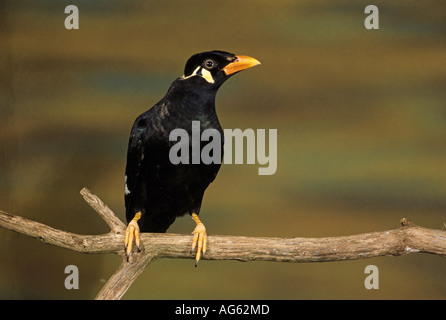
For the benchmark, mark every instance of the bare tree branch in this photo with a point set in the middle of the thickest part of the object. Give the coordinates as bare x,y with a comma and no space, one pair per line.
403,240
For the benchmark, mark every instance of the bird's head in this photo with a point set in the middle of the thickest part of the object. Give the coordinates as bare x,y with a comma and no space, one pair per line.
217,66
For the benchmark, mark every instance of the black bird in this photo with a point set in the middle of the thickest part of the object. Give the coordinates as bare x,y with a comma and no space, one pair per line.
156,190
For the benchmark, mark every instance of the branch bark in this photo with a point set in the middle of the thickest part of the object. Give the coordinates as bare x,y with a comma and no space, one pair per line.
406,239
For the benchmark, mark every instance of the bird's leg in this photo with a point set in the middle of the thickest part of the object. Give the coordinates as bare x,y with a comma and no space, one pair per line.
132,232
200,238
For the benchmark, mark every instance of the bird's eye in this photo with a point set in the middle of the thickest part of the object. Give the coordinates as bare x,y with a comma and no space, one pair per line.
209,64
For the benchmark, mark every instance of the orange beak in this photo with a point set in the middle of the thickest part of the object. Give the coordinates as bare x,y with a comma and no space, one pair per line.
240,63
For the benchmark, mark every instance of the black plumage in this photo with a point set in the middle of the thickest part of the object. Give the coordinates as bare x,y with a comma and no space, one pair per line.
157,189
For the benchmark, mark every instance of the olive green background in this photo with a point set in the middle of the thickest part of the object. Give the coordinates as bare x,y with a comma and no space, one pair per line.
360,114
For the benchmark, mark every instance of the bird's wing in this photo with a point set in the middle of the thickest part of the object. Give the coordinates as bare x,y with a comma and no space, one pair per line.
135,157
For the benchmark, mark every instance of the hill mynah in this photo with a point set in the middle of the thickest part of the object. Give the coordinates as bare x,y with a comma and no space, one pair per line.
156,190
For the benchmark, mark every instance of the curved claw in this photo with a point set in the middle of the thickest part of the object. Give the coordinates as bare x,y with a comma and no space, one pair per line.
200,239
132,232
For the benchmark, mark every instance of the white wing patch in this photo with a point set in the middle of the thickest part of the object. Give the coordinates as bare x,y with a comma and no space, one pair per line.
126,189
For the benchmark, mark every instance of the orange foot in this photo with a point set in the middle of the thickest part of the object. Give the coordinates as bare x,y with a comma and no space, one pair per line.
132,232
200,239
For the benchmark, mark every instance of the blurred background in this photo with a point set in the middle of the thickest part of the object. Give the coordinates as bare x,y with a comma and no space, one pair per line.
360,114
